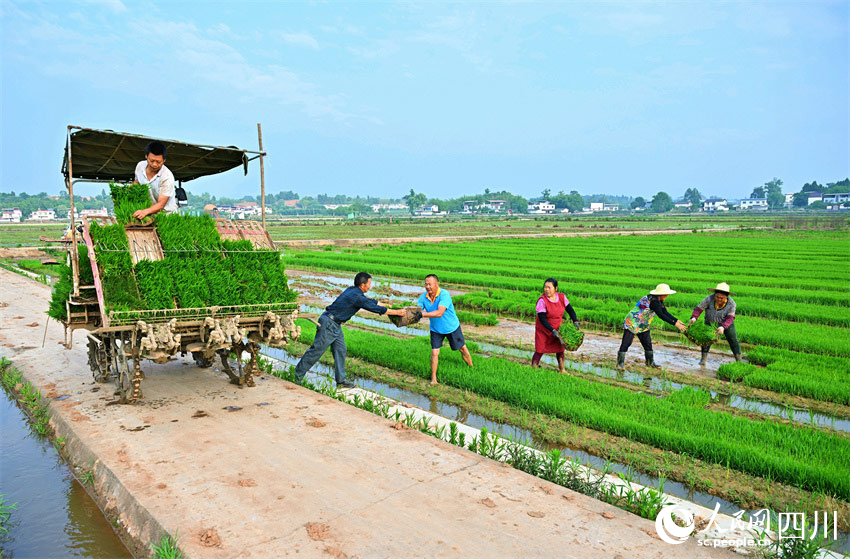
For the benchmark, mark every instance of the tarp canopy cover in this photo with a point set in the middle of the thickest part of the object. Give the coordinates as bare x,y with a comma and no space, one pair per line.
108,155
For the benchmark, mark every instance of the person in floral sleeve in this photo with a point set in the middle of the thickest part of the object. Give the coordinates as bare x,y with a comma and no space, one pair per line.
638,320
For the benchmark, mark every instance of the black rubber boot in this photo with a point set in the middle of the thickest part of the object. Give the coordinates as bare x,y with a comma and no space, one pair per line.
703,358
621,360
650,362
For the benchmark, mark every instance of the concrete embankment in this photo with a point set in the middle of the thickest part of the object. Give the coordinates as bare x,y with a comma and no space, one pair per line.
291,472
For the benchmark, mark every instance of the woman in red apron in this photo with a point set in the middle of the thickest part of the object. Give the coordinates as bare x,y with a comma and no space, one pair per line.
550,312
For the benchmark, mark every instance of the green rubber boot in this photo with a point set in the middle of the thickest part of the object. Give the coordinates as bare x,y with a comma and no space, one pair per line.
621,360
703,358
650,361
737,357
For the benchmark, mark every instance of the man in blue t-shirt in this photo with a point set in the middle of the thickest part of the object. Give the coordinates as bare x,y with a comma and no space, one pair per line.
437,306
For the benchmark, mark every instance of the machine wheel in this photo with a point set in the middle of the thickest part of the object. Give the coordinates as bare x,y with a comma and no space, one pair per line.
201,361
99,361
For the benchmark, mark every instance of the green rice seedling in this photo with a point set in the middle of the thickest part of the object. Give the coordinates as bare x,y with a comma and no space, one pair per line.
155,284
735,372
127,198
701,333
571,336
689,396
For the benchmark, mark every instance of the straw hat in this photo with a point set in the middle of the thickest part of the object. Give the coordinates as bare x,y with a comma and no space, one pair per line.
662,289
722,286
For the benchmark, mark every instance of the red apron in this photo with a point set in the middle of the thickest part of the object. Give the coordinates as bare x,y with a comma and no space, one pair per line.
544,341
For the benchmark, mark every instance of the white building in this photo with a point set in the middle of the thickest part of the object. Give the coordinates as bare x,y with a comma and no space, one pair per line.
596,206
754,204
610,207
389,207
469,206
427,209
835,201
249,208
101,212
495,205
682,205
542,207
789,200
814,197
42,215
715,205
10,215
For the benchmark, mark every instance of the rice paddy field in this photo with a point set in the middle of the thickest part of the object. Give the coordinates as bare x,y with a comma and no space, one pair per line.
793,321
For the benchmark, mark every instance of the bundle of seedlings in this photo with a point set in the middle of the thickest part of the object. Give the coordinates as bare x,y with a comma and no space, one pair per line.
571,337
127,199
701,333
65,284
112,251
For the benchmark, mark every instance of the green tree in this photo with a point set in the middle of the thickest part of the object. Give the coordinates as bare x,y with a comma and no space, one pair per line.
758,192
801,200
638,202
662,202
819,205
775,198
414,200
693,197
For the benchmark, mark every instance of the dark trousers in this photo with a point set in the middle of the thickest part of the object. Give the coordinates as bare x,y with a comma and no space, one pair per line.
731,337
329,333
629,337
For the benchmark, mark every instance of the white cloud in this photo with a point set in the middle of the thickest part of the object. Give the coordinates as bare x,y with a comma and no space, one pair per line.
302,39
116,6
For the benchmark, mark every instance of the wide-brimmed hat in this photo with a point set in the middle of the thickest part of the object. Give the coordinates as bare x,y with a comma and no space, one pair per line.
662,289
722,286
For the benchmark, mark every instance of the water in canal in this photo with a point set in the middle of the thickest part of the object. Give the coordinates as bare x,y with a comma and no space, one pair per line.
55,517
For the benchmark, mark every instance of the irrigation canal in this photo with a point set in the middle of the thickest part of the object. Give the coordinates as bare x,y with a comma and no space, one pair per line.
54,515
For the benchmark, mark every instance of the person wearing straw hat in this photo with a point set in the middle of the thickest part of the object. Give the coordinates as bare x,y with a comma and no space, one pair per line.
719,309
640,317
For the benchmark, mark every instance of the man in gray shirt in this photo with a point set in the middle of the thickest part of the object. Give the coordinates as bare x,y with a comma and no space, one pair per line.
720,310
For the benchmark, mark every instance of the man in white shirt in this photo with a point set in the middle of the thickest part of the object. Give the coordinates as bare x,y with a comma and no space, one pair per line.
153,172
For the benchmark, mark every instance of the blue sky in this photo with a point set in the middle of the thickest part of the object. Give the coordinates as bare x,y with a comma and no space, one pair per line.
447,99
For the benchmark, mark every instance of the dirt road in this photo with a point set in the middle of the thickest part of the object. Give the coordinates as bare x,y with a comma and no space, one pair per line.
291,472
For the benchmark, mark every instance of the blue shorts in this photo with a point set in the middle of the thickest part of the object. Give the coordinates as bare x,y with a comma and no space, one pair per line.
456,340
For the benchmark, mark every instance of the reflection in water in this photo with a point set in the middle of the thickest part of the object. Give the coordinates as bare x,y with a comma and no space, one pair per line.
55,517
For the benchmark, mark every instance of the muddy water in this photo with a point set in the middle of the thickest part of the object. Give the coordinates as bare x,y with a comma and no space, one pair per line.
55,517
322,373
797,415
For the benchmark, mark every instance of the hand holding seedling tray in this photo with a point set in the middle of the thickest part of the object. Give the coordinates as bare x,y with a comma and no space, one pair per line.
412,315
571,337
701,333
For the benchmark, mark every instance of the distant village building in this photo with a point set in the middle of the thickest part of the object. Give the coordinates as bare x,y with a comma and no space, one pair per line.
98,212
11,215
495,205
610,207
469,206
789,200
290,203
754,204
814,197
596,206
836,201
42,215
542,207
389,207
715,205
427,209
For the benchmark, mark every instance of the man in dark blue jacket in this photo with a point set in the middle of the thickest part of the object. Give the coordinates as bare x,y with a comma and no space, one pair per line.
329,332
